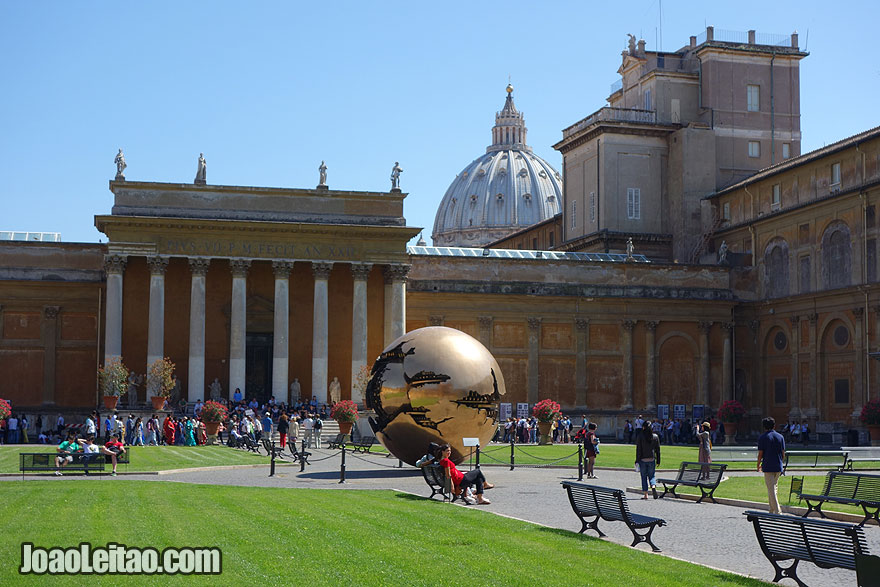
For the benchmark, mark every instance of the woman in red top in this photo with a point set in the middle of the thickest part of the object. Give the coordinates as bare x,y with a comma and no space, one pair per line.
168,427
590,445
464,480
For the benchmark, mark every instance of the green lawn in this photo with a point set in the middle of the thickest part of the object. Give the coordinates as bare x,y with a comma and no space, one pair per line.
152,458
320,537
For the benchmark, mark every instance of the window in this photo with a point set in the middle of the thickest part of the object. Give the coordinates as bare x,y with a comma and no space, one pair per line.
574,208
552,240
647,99
592,206
871,259
835,175
780,391
725,211
753,97
634,203
786,150
534,244
754,149
841,391
805,274
776,199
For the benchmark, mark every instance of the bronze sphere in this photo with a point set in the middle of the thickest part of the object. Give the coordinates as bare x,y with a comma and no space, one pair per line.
434,384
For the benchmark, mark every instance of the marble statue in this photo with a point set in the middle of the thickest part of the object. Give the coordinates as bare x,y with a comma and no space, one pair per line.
120,166
632,44
295,391
322,174
216,389
629,249
202,172
395,176
335,390
722,253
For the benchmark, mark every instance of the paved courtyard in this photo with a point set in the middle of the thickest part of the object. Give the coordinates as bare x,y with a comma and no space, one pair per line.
711,534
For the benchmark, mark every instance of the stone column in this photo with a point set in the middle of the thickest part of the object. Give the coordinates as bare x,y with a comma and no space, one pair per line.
485,323
727,362
281,338
320,331
812,399
650,366
238,325
196,382
756,411
628,326
534,346
360,272
859,376
582,337
114,266
705,329
386,323
398,300
794,412
156,327
49,336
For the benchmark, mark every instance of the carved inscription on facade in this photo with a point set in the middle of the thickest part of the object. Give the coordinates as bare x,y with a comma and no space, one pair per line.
260,249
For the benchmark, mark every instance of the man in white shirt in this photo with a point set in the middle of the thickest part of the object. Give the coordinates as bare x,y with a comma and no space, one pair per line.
308,425
12,429
90,425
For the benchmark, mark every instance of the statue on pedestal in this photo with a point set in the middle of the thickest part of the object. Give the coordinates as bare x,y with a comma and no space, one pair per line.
322,175
722,253
395,176
120,166
216,389
335,391
295,391
202,171
629,249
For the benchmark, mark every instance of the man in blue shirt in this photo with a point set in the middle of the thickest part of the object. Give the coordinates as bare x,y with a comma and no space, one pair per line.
771,455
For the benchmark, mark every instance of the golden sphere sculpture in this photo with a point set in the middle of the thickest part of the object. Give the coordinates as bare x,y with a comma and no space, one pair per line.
434,384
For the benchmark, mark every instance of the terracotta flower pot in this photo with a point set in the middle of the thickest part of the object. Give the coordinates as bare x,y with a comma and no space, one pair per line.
158,402
874,431
545,428
730,429
345,427
110,401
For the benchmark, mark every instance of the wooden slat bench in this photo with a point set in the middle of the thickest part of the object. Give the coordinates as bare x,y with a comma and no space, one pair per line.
816,459
44,462
704,476
592,501
851,489
861,454
824,543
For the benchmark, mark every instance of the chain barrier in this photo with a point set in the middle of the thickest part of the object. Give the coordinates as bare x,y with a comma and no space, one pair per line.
356,456
574,454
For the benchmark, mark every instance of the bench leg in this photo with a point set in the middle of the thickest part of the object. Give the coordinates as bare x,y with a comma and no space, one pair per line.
594,525
811,508
646,537
870,515
790,572
706,494
666,490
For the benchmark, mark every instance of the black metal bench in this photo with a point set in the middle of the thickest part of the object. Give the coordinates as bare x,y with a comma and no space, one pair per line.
816,459
435,477
363,444
298,453
704,476
609,505
337,442
243,442
277,449
850,489
44,462
824,543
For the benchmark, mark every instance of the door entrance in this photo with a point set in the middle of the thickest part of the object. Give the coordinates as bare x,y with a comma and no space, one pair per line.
258,366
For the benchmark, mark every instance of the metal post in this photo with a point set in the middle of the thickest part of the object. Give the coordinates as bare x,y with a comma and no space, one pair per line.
342,466
580,462
302,457
272,463
399,464
478,456
512,457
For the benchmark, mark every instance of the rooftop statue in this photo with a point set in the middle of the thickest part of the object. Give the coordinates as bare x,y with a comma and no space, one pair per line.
120,166
201,172
395,176
322,174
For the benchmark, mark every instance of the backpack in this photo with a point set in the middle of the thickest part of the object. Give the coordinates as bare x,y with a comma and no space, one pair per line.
318,424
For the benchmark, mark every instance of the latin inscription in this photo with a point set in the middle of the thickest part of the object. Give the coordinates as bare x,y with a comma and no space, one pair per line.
218,248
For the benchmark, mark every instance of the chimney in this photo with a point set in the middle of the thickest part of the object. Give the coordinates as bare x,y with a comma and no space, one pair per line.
794,40
752,37
641,48
693,41
710,33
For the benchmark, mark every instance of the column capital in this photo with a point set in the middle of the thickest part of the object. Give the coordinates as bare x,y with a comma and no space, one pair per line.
396,272
581,324
115,263
534,322
813,318
282,269
361,271
651,325
728,327
485,321
435,320
199,265
705,326
51,312
239,267
157,264
794,320
321,270
858,311
628,324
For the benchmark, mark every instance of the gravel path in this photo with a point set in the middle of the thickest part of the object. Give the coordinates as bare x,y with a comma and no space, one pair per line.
711,534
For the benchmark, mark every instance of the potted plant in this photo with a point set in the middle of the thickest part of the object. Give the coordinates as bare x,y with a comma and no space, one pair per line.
345,412
113,379
213,414
160,381
5,409
731,413
546,411
870,417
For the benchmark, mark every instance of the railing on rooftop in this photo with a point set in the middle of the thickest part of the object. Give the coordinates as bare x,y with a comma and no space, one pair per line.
10,235
617,86
742,37
608,114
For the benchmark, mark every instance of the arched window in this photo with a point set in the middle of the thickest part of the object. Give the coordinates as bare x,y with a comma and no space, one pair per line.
836,256
776,268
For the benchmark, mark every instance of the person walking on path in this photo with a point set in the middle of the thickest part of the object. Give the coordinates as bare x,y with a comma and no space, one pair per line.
592,449
705,449
771,455
647,458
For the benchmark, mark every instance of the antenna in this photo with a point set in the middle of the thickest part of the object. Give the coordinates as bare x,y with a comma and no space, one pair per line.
660,46
807,43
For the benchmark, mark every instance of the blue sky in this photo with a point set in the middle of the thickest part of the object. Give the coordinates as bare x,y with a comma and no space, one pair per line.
268,89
